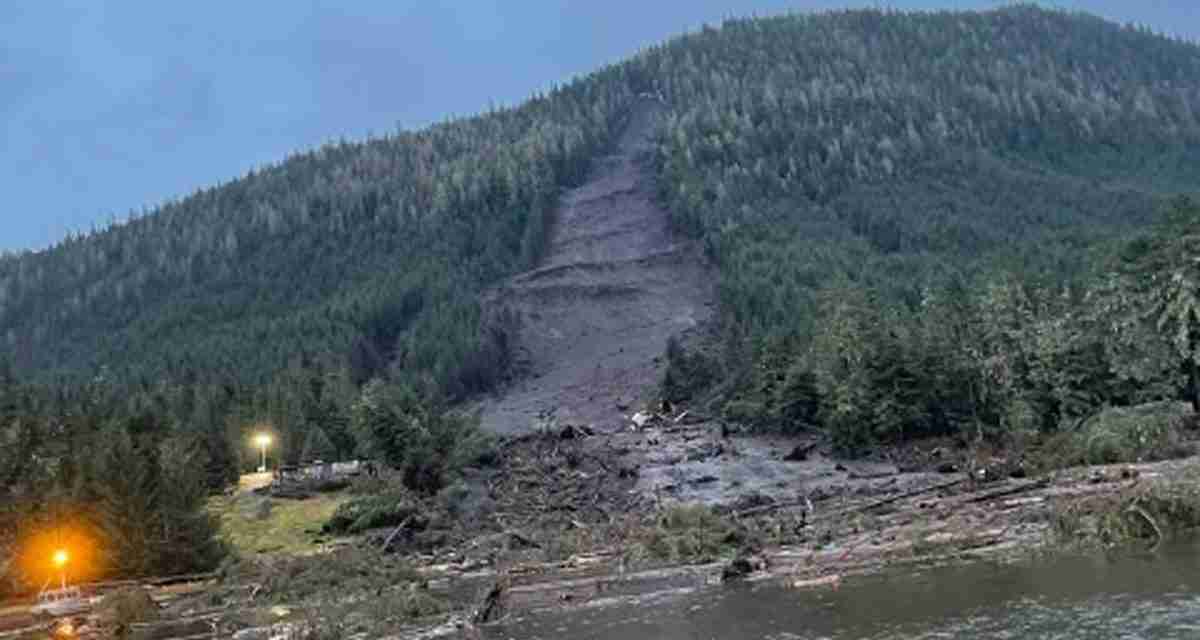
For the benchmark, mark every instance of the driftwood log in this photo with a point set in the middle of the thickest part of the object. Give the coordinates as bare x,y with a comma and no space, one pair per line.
492,606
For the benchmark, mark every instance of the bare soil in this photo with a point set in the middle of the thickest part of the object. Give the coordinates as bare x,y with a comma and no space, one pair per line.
614,285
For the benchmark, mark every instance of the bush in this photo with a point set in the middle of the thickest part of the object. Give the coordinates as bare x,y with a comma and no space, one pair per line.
742,411
687,374
690,533
1122,434
122,609
365,485
1145,513
370,512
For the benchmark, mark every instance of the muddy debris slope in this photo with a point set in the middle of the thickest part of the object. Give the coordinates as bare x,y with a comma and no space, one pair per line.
615,284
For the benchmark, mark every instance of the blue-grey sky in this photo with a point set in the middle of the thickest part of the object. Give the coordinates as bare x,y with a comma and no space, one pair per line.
107,107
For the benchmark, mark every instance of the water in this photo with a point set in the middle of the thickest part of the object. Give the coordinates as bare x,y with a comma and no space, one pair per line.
1132,596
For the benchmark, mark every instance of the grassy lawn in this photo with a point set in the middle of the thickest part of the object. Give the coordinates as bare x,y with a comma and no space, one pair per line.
289,529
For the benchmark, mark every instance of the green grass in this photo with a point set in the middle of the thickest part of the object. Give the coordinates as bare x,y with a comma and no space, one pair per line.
288,530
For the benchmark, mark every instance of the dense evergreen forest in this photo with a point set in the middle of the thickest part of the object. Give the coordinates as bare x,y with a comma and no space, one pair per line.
922,224
912,213
364,253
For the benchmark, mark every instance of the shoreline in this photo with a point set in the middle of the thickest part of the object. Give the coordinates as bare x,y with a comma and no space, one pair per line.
606,533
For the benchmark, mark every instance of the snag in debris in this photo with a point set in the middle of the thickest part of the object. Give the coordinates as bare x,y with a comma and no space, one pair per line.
492,607
523,541
834,581
1136,510
388,542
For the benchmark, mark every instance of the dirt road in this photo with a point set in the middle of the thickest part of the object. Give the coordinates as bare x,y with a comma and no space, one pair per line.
615,284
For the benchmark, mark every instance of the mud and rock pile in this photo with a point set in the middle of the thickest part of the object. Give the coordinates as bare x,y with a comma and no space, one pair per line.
615,284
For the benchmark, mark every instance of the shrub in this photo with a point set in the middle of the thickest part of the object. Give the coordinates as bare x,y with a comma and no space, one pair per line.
371,484
1145,513
1122,434
687,373
370,512
689,533
122,609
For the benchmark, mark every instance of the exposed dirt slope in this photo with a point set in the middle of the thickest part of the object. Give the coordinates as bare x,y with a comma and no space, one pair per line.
614,285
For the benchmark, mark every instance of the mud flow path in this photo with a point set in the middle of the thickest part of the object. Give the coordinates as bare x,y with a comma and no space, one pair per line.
615,284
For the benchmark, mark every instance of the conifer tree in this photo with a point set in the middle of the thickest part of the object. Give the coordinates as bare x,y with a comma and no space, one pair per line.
1157,285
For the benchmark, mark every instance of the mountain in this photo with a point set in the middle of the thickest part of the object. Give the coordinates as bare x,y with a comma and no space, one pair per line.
360,253
891,150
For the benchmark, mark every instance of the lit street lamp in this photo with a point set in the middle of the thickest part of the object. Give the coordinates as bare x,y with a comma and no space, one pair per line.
263,440
60,559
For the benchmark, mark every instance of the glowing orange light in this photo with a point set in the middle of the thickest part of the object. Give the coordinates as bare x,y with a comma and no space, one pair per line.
263,440
68,548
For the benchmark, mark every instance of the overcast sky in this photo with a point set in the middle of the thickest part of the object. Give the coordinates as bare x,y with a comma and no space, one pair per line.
111,107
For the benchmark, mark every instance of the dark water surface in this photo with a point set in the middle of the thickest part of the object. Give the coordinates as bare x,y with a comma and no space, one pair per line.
1132,595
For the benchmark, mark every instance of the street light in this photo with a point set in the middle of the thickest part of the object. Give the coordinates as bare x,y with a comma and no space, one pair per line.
60,559
263,440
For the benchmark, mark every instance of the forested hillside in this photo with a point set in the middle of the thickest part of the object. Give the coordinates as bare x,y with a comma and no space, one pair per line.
893,138
903,141
848,173
911,213
356,252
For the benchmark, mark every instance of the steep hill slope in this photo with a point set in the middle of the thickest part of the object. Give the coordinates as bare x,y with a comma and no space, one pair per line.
616,283
356,254
880,150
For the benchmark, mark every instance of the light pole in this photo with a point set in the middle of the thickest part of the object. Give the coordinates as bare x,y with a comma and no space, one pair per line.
60,559
263,440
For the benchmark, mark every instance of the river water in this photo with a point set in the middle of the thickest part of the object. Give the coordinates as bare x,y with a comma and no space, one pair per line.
1130,596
